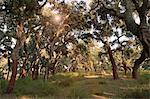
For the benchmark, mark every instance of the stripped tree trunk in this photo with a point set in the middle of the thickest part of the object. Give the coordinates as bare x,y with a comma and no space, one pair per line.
14,68
114,66
124,67
19,44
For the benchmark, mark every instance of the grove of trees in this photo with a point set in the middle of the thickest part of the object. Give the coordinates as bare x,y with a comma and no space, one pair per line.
44,37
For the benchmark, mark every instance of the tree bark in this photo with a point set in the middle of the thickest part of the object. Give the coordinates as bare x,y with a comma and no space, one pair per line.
137,65
142,31
125,67
13,77
46,73
35,69
35,72
114,66
53,69
9,66
19,44
14,69
24,72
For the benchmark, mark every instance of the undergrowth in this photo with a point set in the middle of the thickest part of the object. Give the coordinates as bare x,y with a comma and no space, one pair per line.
76,86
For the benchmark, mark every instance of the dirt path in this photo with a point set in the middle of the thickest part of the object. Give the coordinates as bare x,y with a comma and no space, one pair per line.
98,97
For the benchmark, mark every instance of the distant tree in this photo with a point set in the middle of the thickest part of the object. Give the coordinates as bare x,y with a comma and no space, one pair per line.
59,21
122,12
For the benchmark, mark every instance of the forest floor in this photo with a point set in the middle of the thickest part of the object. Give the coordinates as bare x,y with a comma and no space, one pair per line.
80,86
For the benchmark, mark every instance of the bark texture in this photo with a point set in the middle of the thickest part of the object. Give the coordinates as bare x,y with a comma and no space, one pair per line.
114,66
19,44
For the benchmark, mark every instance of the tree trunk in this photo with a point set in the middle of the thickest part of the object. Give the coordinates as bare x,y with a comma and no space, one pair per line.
35,68
124,66
13,77
114,66
14,68
9,66
142,31
137,65
54,65
35,72
53,70
24,72
19,43
144,38
46,73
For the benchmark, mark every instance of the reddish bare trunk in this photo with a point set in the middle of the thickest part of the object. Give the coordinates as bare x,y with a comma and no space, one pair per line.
13,77
124,67
14,69
19,43
114,66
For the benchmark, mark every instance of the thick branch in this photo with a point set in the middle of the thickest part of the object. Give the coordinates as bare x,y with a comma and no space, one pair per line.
136,4
142,12
128,18
113,12
43,4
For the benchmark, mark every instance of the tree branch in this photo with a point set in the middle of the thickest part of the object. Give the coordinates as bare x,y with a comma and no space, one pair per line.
142,11
112,12
43,4
136,4
128,18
